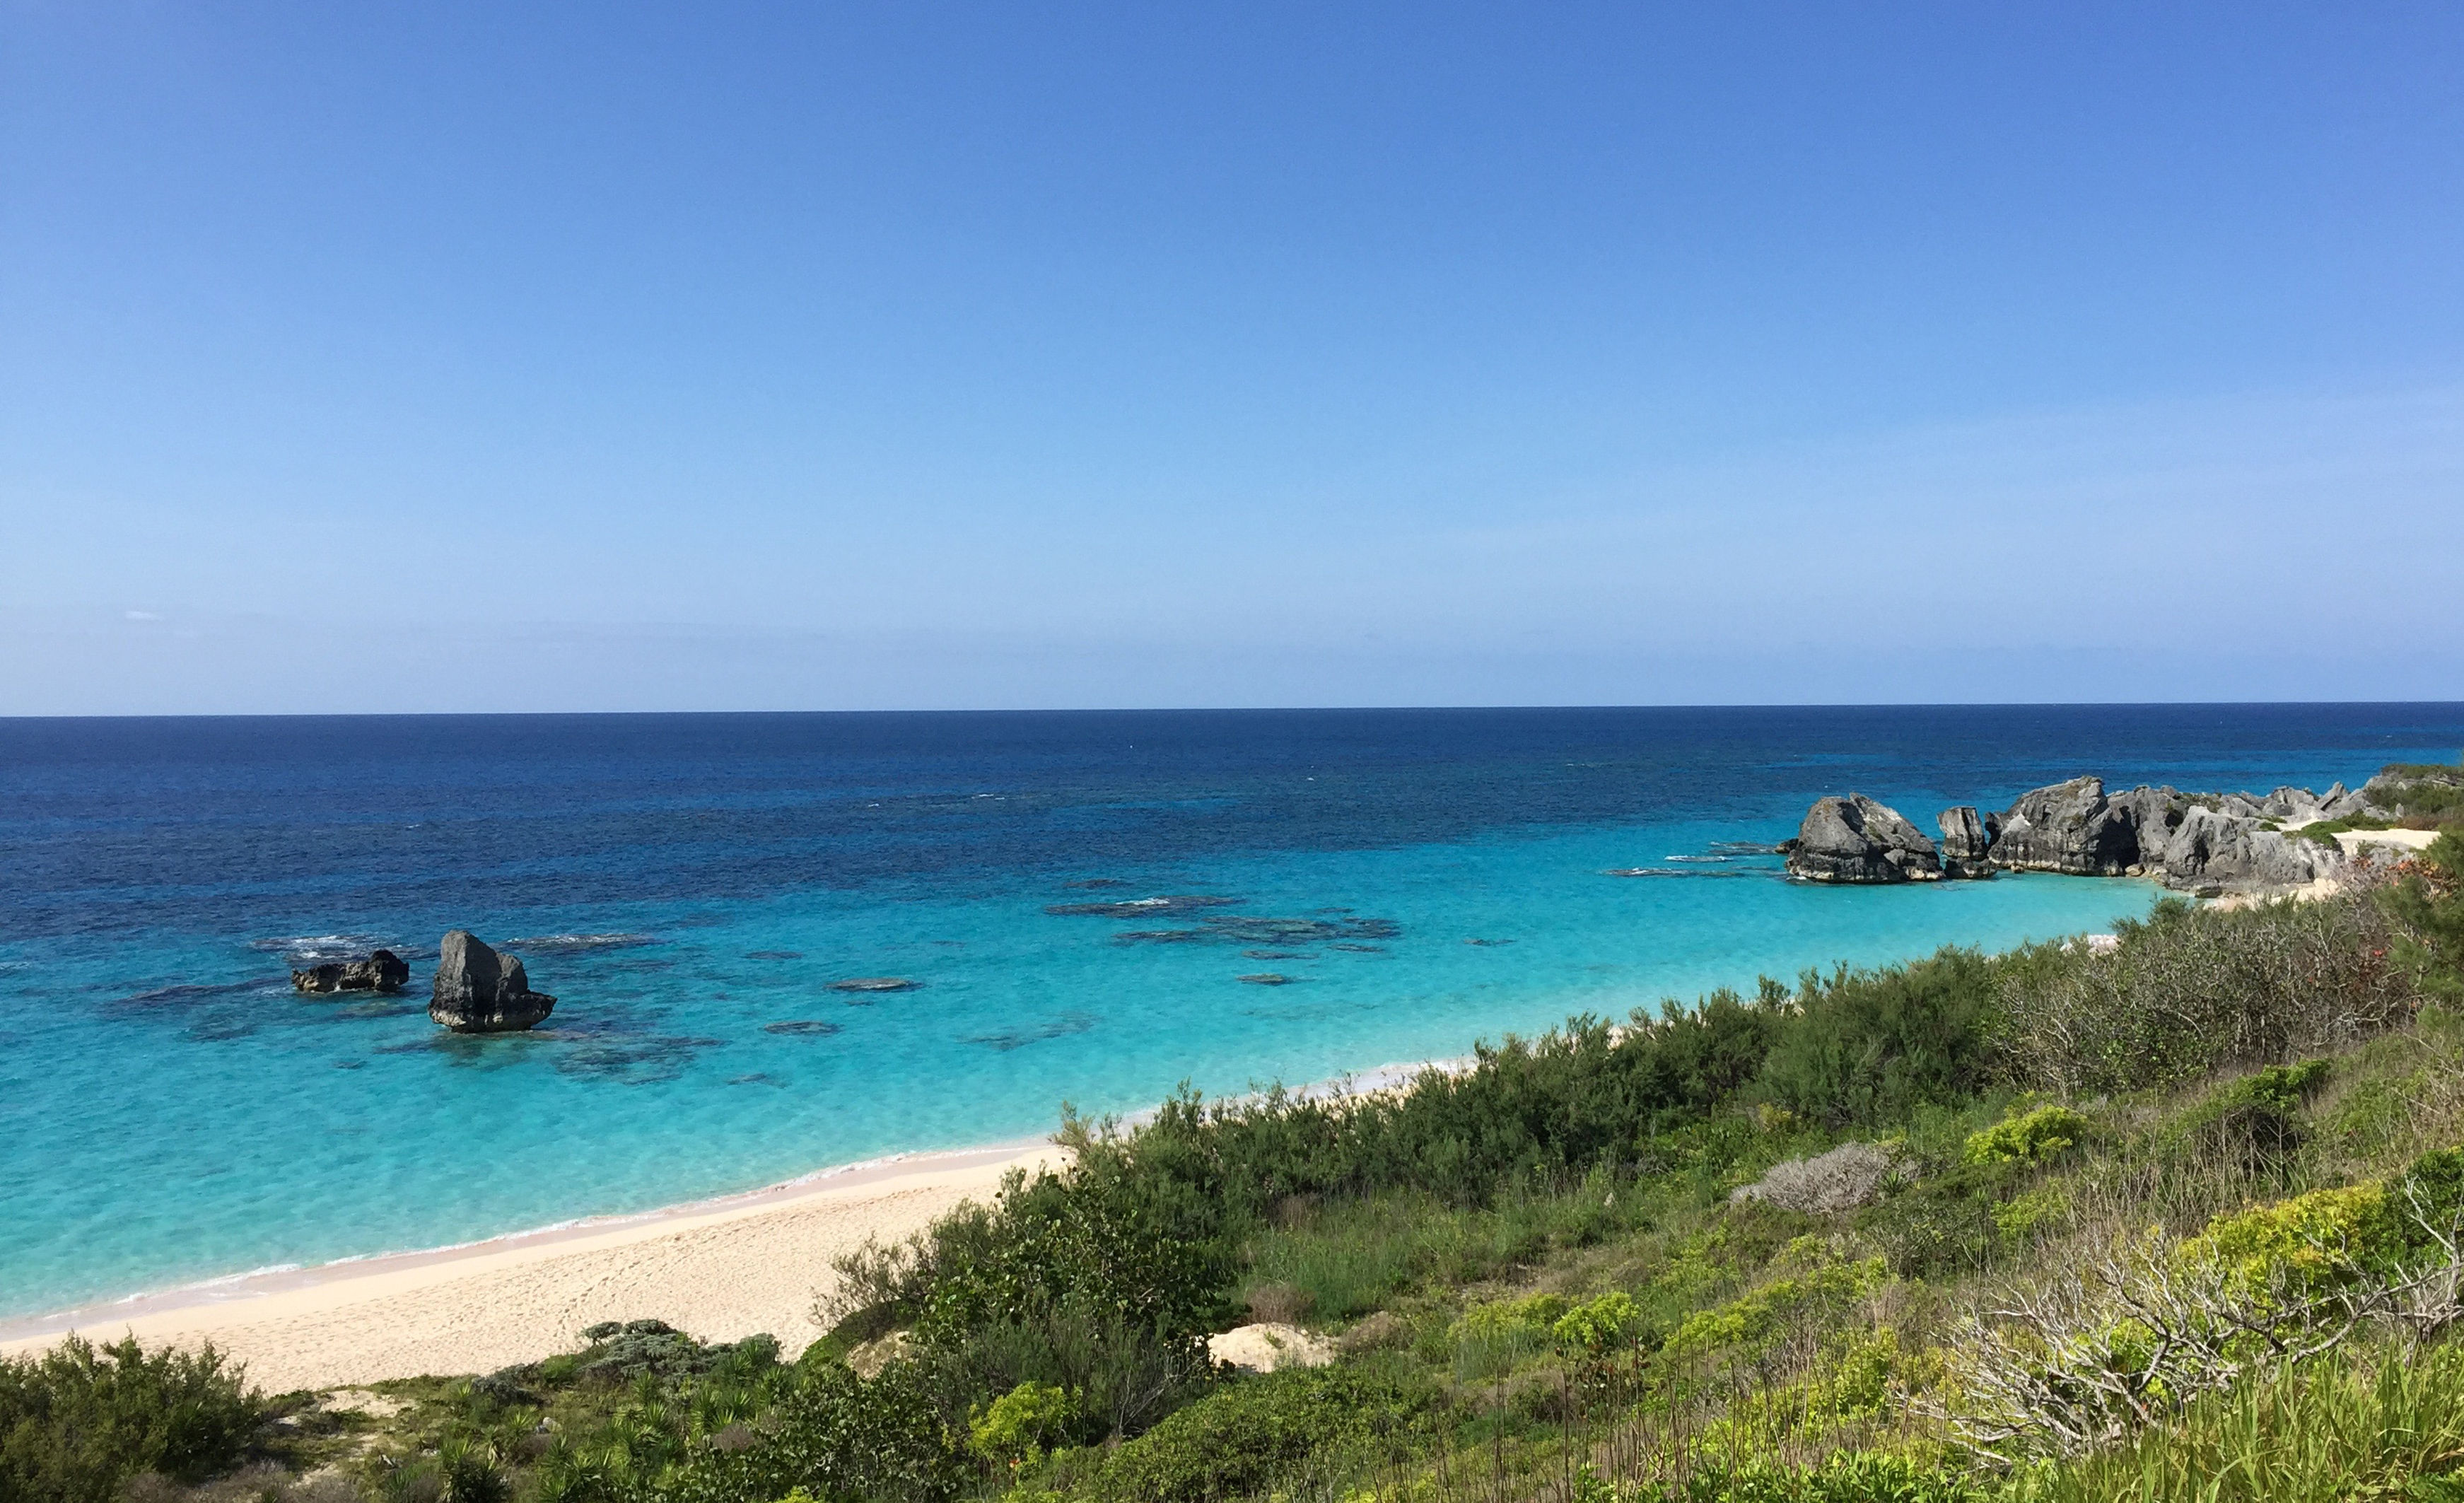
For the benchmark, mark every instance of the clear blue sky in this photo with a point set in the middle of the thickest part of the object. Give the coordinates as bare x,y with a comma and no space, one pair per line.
442,357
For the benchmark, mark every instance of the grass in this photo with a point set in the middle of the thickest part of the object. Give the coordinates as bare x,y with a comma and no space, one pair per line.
2379,1427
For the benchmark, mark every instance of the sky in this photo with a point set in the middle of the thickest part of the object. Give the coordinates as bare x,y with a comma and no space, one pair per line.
460,357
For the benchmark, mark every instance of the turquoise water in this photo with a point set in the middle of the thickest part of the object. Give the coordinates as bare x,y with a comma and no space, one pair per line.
177,1114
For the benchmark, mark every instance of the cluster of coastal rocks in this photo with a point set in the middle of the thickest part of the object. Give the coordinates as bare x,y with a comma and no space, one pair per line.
2207,844
476,990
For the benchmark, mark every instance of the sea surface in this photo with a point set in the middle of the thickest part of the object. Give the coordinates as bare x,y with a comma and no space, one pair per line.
689,886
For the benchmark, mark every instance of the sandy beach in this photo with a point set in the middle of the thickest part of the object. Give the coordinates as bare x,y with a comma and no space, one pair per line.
721,1269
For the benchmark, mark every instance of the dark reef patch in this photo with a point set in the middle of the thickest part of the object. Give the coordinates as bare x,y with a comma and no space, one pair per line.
803,1027
1268,933
193,995
1062,1027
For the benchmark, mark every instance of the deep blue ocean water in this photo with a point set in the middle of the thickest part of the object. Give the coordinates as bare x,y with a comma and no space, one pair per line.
686,885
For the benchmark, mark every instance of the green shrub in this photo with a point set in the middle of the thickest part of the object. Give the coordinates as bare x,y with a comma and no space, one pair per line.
1597,1325
2256,1122
1022,1424
829,1432
80,1420
1870,1047
2192,992
2429,905
2033,1137
1943,1225
1238,1440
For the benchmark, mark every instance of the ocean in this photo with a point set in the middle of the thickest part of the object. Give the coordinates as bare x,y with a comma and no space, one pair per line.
689,886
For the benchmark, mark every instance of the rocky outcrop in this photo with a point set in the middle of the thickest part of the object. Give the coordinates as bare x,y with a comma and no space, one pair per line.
1968,841
381,971
2209,843
2215,852
480,991
1857,840
2074,829
2069,827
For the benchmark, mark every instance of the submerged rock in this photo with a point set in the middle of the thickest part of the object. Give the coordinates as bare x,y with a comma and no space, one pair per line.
381,971
1269,979
875,983
1967,841
1857,840
480,991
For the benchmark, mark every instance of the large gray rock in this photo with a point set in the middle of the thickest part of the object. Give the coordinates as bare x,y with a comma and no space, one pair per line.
381,971
1967,841
480,991
1857,840
2226,853
2068,829
2073,828
2341,803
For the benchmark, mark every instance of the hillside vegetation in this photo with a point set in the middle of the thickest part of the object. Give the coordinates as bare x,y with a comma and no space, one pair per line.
2179,1220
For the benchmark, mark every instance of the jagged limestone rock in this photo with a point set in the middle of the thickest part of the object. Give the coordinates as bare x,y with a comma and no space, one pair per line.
480,991
1967,841
1857,840
2230,852
381,971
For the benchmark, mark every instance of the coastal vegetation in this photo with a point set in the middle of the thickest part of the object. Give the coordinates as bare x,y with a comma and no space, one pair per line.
2175,1217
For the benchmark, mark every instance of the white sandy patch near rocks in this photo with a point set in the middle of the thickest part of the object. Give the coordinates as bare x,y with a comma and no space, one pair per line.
1270,1345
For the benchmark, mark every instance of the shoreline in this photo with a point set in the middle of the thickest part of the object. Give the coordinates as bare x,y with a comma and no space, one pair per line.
723,1267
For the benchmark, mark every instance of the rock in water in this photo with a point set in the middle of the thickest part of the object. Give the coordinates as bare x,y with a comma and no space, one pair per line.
2074,829
480,991
2066,828
381,971
1967,841
1857,840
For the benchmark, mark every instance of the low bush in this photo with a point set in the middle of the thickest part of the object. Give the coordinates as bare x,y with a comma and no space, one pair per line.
77,1422
1237,1440
2032,1137
2192,992
2254,1124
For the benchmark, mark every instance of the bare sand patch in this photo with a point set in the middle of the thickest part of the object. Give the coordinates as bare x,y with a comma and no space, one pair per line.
721,1269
